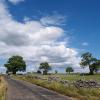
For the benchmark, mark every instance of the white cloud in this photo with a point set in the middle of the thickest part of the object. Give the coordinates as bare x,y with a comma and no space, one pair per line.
16,1
35,41
53,20
85,44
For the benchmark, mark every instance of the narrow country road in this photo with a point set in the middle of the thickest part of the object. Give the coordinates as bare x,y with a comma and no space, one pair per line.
20,90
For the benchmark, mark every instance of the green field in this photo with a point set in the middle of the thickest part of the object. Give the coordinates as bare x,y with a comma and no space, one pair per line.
78,77
76,94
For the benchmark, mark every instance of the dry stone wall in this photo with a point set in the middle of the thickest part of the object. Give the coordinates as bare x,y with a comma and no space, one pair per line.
77,84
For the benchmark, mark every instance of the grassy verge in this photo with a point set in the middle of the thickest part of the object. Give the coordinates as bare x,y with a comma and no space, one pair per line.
2,89
79,94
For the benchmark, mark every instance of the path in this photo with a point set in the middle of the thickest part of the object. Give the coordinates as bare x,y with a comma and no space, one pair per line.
20,90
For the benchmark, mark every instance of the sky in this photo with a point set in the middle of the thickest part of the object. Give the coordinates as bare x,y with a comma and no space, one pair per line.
57,31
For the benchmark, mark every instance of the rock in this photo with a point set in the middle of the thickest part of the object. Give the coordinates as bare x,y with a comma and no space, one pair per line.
86,84
53,78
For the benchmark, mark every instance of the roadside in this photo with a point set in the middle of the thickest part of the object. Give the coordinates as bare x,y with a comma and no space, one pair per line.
3,88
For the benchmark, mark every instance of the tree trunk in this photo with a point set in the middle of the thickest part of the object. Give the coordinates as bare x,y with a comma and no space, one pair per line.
14,72
91,71
45,72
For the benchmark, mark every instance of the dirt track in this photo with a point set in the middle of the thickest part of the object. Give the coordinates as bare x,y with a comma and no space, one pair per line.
20,90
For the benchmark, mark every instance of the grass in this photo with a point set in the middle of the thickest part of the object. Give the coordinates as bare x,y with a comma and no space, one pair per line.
78,77
71,91
2,89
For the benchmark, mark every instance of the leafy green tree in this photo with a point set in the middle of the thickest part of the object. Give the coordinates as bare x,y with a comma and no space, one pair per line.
45,67
56,71
15,63
69,69
96,65
38,71
88,60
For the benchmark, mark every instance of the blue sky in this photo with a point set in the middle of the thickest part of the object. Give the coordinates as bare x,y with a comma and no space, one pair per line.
76,21
83,18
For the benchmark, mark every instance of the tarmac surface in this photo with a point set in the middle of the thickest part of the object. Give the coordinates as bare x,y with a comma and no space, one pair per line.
21,90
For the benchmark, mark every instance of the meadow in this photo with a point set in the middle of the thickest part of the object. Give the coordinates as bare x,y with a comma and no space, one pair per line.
74,77
68,90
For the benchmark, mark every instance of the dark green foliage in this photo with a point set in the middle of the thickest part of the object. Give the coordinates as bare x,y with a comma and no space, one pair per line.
15,63
69,69
56,71
90,61
45,67
96,65
38,71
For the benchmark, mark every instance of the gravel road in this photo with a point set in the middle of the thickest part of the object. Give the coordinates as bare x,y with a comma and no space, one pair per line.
20,90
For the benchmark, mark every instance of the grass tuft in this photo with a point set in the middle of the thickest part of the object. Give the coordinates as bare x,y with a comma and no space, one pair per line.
2,89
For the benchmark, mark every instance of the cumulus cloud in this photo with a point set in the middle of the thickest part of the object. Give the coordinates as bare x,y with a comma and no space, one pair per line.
35,41
16,1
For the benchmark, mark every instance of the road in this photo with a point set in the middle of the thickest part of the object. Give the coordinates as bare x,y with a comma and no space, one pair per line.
21,90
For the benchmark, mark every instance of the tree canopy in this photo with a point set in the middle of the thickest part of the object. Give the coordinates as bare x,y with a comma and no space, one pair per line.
90,61
69,69
45,67
15,63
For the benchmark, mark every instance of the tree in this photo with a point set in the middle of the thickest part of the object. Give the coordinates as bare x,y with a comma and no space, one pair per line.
38,71
56,71
88,60
15,63
45,67
69,69
96,65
